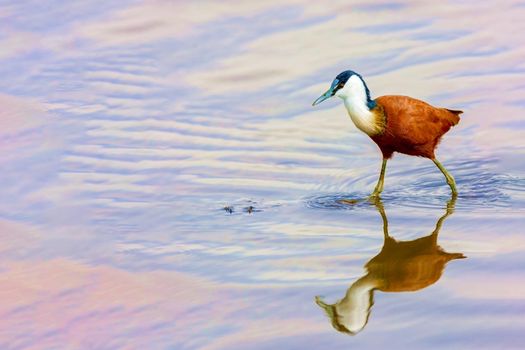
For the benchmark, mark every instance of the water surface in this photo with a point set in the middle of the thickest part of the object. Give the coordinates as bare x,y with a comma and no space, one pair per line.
167,185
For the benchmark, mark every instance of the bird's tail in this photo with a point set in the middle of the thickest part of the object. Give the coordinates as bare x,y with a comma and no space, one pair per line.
455,111
455,115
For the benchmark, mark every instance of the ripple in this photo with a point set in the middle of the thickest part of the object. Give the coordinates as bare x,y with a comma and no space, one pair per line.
338,201
479,189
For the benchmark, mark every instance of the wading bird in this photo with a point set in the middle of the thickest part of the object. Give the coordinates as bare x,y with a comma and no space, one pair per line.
400,266
395,123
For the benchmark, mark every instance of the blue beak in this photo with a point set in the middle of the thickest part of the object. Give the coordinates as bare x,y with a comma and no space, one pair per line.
323,97
329,93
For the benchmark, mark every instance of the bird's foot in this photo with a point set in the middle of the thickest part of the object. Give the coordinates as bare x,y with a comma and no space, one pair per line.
374,197
349,201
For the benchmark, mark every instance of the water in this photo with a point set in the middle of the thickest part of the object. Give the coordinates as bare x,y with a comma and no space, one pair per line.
167,185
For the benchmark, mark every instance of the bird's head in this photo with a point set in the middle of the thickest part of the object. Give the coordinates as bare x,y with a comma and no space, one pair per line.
347,84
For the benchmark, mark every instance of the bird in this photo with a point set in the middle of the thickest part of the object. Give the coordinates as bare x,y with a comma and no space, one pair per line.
400,266
395,123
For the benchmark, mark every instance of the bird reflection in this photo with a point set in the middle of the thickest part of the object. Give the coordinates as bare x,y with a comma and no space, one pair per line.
400,266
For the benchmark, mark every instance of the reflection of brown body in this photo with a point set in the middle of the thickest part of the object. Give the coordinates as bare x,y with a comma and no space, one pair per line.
401,266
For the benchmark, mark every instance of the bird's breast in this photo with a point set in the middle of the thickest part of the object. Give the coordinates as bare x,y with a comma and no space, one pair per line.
371,122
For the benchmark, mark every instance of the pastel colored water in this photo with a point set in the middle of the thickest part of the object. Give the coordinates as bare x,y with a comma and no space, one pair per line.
128,127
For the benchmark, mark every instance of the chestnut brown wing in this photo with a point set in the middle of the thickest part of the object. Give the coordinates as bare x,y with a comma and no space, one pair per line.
415,122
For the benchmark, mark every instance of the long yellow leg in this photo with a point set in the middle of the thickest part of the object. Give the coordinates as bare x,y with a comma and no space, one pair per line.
381,181
450,179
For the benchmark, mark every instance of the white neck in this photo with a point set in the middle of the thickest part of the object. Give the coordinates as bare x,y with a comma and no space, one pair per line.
355,100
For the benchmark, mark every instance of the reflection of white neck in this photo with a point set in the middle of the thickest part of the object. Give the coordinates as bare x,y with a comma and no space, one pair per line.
354,308
355,100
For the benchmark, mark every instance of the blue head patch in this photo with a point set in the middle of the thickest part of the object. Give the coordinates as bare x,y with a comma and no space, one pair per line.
341,79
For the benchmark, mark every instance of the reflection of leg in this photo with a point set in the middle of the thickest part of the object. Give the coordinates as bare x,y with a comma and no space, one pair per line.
380,182
449,210
379,205
450,179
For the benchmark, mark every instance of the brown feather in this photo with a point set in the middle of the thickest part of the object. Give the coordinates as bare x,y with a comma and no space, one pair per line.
412,126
